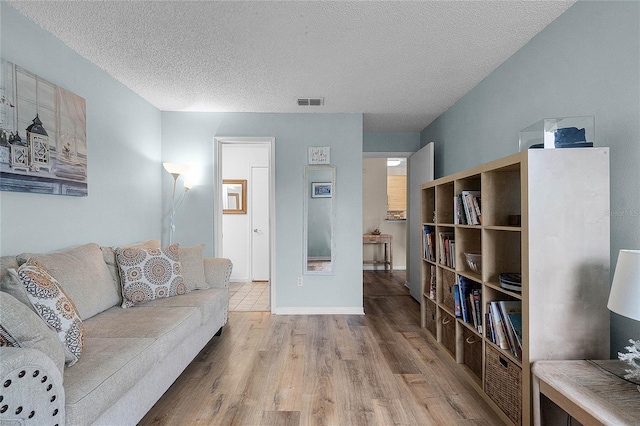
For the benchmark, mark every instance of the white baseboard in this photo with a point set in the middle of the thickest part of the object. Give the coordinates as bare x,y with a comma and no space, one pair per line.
356,310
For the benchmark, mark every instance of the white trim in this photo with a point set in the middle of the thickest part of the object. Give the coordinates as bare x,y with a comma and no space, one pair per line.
356,310
217,204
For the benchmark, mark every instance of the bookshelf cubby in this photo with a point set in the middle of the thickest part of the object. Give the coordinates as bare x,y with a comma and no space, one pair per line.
544,215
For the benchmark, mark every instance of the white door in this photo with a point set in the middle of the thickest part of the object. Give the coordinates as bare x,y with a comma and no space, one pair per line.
259,224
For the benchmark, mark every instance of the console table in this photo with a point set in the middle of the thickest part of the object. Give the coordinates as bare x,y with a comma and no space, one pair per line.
590,391
385,239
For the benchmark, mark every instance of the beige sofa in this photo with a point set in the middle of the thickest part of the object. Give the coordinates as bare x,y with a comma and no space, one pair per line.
130,356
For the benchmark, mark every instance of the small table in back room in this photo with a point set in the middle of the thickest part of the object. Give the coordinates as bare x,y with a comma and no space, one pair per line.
388,252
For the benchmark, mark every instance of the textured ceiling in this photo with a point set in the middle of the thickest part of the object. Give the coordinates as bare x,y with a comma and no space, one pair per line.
402,64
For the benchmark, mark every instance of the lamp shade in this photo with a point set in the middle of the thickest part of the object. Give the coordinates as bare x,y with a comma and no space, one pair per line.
176,168
624,298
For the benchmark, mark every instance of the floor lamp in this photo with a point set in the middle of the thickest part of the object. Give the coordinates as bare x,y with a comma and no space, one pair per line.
176,170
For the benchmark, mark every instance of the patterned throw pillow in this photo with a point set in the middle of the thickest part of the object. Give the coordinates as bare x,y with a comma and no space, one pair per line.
7,339
148,274
54,307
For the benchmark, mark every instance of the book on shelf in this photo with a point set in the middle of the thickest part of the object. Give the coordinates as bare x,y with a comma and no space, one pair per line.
473,311
457,303
498,326
447,249
459,216
429,243
467,305
489,325
432,282
504,325
477,205
476,295
471,207
511,312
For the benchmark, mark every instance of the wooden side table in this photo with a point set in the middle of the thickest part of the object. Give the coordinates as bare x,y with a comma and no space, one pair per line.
590,391
385,239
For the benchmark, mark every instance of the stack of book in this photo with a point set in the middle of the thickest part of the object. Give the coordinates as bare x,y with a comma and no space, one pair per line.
468,302
447,249
511,281
467,208
504,325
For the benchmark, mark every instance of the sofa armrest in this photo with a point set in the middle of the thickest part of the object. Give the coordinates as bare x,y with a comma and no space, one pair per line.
217,272
32,388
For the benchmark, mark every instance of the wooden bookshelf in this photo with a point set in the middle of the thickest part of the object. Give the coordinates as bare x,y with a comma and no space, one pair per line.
545,215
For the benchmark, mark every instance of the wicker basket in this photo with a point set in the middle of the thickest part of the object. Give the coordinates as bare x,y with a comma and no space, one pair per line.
503,384
448,280
449,333
472,352
431,318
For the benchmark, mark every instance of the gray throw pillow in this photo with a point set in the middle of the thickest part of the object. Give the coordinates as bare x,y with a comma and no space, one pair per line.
28,330
193,267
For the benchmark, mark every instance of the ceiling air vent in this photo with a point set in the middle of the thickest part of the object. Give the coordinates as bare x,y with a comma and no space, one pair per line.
310,101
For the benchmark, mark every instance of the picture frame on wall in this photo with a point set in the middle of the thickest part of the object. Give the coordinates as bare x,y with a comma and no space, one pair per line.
43,135
321,190
319,155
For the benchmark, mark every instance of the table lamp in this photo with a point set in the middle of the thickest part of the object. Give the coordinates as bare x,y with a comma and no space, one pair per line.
624,299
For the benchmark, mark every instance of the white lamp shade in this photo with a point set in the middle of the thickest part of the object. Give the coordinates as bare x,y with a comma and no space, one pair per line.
624,298
176,168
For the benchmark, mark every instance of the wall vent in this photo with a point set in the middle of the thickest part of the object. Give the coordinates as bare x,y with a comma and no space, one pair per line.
310,101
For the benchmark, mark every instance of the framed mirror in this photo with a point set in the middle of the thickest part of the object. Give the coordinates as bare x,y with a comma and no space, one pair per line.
319,220
234,196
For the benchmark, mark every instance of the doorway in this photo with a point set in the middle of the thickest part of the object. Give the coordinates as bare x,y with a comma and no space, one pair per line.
247,238
384,211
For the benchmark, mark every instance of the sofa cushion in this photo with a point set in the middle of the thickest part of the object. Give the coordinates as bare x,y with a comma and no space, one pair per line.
147,274
207,301
192,266
84,276
109,256
108,369
54,307
27,329
169,326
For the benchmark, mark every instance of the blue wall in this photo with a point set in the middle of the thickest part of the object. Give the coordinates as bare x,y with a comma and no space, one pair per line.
586,62
391,142
123,144
188,137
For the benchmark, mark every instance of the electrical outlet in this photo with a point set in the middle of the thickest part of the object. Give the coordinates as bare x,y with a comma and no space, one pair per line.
299,281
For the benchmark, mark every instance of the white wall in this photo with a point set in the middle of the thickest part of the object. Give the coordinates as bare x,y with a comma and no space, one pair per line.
374,213
123,145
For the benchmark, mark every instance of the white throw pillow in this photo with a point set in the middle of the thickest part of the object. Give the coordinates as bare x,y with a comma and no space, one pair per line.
54,306
148,274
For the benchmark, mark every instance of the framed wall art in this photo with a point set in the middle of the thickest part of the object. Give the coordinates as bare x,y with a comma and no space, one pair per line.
43,136
321,190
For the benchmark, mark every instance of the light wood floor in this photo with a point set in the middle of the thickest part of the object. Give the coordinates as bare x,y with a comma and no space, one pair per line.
377,369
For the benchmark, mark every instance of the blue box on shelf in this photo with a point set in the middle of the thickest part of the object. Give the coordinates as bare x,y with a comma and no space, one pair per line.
560,132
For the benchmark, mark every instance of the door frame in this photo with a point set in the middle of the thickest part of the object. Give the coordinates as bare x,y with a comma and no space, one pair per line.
270,142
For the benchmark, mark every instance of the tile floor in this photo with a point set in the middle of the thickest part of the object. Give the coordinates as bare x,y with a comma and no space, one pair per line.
249,296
